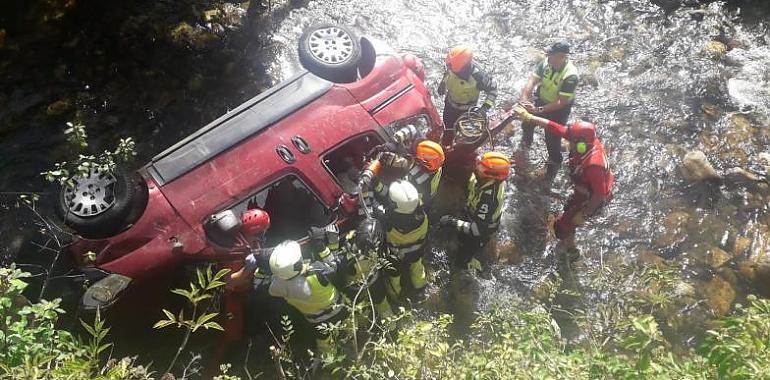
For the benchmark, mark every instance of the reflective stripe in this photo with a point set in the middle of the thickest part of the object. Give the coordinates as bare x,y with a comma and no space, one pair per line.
551,82
420,176
461,92
321,298
435,181
326,314
475,193
400,252
401,239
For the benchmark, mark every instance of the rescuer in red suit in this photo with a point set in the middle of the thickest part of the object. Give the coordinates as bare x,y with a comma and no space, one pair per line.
589,170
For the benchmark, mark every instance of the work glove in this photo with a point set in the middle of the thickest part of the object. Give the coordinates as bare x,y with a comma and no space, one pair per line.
317,234
448,220
522,113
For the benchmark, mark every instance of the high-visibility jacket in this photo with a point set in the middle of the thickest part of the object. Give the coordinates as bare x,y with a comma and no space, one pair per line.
555,83
425,181
312,294
464,92
406,233
484,206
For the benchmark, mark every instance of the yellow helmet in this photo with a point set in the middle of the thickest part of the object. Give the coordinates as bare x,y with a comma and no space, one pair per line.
430,155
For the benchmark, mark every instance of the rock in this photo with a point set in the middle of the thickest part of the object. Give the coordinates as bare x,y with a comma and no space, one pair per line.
739,177
674,229
717,257
211,14
715,47
199,38
742,243
756,267
696,167
711,110
59,107
719,295
683,289
650,258
740,130
506,251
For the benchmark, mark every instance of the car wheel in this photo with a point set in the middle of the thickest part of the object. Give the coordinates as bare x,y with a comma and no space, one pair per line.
331,52
98,204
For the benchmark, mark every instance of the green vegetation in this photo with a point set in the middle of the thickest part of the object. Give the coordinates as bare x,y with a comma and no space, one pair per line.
514,340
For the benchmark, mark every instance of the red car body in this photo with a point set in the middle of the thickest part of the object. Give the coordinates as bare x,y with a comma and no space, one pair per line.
227,160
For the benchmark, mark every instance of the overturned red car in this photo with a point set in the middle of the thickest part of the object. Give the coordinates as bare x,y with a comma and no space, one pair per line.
294,150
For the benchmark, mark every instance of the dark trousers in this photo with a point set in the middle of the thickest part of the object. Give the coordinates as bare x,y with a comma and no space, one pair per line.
468,247
451,114
552,141
376,290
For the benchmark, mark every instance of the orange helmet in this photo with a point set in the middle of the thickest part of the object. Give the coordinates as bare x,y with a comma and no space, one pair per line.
493,165
430,155
459,57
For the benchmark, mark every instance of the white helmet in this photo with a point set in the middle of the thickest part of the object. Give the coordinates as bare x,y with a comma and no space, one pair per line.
286,260
404,196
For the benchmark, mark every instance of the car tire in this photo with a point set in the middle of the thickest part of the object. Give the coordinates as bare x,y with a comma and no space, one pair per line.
111,198
331,52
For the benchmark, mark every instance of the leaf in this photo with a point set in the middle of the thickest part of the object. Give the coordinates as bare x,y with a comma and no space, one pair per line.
201,280
205,318
184,293
162,323
103,347
213,325
88,328
169,315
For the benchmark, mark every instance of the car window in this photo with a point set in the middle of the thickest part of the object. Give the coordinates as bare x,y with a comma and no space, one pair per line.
346,161
292,206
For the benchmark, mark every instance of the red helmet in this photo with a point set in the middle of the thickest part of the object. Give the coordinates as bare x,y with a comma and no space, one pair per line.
582,131
254,222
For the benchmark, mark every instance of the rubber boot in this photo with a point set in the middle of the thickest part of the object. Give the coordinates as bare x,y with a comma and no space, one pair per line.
325,346
383,309
419,280
394,287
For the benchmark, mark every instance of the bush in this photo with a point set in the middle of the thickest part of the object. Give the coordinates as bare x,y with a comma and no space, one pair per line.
31,347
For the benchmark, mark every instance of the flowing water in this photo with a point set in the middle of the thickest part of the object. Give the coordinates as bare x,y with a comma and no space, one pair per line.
656,84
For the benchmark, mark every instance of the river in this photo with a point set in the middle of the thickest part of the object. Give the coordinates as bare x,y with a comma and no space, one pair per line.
657,84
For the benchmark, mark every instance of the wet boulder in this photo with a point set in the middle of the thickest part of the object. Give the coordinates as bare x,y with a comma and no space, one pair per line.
674,229
697,168
715,48
719,294
739,177
755,266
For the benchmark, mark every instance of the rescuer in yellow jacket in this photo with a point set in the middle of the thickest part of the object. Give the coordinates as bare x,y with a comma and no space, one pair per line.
557,79
462,83
483,208
406,229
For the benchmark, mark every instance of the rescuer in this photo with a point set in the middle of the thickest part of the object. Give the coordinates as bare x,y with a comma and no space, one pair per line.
589,170
557,78
483,208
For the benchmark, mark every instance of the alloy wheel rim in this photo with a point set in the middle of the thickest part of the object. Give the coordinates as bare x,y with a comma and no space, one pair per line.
92,194
331,45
